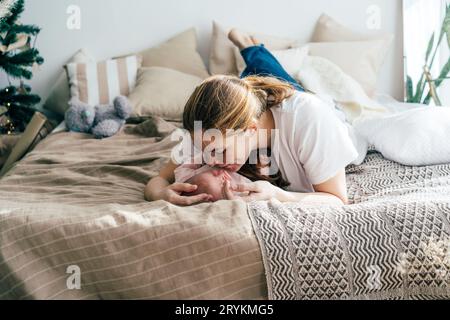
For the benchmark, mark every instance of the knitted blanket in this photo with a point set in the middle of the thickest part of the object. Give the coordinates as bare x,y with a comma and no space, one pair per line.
391,242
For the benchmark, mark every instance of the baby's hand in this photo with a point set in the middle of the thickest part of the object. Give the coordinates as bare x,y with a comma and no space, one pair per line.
229,194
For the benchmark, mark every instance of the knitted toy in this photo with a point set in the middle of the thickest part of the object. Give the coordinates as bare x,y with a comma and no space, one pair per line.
102,121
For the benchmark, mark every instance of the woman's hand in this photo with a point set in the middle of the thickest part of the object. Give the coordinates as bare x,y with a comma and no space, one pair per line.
159,189
264,190
256,191
172,193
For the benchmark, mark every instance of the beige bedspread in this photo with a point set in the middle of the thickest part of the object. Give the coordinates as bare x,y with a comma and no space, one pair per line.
76,204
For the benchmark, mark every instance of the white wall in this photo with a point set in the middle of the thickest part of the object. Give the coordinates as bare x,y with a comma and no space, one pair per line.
112,27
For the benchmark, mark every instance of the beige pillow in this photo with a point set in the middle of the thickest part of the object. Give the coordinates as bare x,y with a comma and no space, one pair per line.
179,53
362,60
59,96
222,60
162,92
329,30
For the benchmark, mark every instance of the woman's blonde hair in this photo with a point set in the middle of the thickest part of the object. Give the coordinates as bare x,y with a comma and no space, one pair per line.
228,102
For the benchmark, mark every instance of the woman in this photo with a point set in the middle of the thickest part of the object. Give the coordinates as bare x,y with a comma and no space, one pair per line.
312,148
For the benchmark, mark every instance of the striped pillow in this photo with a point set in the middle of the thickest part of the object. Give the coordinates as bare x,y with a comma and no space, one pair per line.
100,82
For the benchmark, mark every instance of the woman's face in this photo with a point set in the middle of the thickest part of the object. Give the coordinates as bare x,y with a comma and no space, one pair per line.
226,150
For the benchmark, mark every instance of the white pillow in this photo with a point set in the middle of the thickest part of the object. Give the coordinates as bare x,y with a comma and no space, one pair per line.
162,92
290,59
415,137
326,79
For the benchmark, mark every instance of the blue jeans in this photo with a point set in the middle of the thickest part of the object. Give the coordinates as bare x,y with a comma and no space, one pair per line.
261,62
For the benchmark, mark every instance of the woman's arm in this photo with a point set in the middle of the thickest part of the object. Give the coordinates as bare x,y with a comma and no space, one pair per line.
264,190
336,186
314,198
161,188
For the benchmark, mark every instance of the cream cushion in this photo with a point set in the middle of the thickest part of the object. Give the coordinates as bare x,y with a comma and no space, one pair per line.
329,30
362,60
179,53
222,60
162,92
59,96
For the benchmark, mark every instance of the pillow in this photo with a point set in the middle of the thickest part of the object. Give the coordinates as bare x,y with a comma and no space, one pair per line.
329,30
361,60
100,82
222,61
413,138
162,92
290,59
179,53
326,79
59,96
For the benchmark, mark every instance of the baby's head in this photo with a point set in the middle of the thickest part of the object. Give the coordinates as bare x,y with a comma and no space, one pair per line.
212,180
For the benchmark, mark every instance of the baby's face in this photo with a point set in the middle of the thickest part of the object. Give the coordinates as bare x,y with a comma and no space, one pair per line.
212,182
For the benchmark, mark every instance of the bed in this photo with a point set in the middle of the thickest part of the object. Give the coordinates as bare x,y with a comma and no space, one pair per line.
74,207
79,201
74,223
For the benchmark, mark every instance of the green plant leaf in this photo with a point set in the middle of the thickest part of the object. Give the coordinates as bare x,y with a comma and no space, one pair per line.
430,47
409,90
419,90
447,30
446,24
444,73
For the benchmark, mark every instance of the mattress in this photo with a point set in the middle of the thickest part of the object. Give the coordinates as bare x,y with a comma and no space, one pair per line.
74,224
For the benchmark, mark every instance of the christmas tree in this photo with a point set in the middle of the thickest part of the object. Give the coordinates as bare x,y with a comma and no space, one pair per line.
17,58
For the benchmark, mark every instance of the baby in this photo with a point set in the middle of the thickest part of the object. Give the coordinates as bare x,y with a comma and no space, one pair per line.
209,180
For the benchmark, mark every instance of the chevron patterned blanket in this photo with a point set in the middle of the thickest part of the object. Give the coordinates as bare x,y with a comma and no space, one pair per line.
391,242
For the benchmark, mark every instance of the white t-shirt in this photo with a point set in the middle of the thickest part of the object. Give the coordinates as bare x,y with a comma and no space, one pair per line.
311,143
